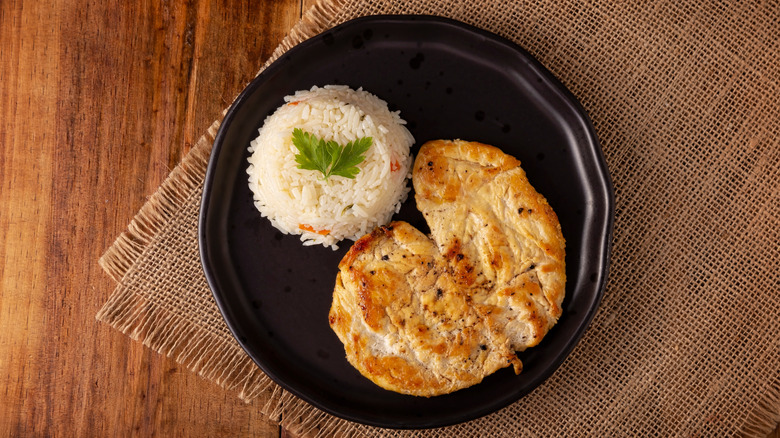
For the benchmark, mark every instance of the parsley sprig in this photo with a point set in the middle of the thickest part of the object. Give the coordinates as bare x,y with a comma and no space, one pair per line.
329,157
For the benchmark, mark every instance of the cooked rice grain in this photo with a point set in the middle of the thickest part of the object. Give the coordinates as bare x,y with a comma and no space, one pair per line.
298,201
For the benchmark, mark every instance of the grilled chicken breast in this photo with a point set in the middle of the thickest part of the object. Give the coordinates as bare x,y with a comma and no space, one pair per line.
428,315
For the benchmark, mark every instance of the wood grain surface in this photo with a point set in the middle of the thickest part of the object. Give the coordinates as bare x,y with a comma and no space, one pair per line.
98,102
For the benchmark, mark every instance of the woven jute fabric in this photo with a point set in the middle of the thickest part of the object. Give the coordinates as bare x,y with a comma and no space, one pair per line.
685,100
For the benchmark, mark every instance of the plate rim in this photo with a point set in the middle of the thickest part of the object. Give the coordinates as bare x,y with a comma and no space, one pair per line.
605,187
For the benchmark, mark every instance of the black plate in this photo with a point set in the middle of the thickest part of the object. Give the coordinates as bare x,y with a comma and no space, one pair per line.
449,80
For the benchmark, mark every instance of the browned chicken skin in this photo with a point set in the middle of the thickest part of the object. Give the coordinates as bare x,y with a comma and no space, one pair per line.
426,315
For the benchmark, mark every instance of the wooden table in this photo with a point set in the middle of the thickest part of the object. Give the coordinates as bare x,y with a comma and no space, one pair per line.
98,102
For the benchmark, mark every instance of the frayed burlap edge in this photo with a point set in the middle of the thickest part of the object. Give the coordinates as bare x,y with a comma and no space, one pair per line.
155,327
158,210
765,418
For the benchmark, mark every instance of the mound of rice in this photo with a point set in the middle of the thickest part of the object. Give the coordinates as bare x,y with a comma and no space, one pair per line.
299,201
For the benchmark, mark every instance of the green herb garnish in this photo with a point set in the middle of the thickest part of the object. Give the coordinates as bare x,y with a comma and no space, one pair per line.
329,157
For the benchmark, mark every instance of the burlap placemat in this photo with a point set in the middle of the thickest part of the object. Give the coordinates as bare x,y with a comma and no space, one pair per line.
684,98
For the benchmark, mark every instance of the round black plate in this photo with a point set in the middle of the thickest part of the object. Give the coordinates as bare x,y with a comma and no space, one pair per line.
449,80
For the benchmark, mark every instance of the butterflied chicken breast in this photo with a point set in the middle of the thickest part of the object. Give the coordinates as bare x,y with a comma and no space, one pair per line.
428,315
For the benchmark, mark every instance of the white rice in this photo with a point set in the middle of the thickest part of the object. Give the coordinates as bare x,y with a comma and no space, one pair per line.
339,208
